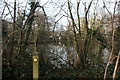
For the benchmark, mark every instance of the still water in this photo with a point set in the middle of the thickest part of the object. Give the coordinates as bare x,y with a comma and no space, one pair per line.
60,53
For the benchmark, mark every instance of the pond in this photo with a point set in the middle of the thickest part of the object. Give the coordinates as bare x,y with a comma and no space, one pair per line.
61,55
65,53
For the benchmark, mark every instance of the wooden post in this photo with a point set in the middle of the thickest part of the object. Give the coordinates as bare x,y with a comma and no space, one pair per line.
35,67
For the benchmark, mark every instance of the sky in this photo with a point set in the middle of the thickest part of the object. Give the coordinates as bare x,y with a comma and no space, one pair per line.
52,9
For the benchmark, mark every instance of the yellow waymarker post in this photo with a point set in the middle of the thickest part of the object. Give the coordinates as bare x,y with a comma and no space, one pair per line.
35,67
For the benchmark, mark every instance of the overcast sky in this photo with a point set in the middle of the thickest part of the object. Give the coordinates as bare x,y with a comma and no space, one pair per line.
52,9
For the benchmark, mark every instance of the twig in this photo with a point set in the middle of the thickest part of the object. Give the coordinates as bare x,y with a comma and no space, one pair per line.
107,9
86,14
60,9
3,10
78,5
116,66
7,5
14,20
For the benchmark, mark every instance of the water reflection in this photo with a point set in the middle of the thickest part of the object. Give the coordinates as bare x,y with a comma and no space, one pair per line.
106,54
58,53
62,54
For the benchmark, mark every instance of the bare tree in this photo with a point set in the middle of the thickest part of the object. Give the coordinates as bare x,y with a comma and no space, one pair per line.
113,34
